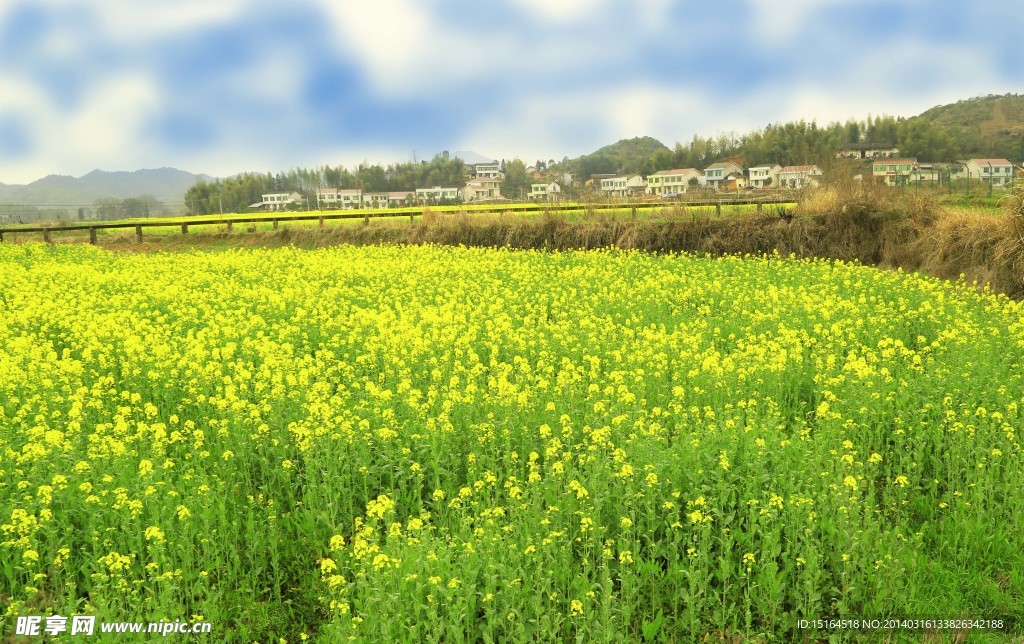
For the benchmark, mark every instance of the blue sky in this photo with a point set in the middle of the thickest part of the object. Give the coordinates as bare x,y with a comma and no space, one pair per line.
224,86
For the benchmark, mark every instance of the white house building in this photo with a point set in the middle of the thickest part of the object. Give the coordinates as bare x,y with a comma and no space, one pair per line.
680,180
799,176
375,200
545,191
490,169
335,198
278,200
868,151
764,176
656,183
715,173
401,198
622,186
893,171
997,171
673,182
437,194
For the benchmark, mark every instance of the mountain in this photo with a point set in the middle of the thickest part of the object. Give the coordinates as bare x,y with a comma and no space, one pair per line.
470,157
165,184
627,156
987,126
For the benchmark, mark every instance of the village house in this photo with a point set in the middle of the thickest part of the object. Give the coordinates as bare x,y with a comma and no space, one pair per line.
397,199
656,183
482,189
868,151
491,169
437,194
278,200
545,191
375,200
623,185
997,171
799,176
735,181
715,173
925,173
338,198
673,182
764,176
892,171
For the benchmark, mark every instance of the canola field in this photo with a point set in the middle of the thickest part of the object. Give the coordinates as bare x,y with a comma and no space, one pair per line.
451,444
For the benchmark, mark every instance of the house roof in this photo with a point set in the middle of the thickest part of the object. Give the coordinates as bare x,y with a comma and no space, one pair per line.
401,194
767,166
682,171
992,161
722,164
867,146
798,168
350,191
892,161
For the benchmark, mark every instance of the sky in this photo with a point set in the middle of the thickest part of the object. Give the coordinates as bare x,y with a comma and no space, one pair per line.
227,86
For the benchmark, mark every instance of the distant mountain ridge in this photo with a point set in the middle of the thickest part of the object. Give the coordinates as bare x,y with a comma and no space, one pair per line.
164,184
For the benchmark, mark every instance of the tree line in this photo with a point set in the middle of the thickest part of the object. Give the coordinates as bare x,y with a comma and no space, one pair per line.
793,143
236,194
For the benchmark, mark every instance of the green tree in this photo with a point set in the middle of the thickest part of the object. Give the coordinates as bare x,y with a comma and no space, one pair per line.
517,182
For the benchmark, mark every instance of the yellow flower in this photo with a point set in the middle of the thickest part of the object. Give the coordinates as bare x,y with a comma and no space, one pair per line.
902,481
851,482
575,608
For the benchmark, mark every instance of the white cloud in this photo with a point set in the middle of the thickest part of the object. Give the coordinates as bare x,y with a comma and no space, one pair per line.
130,21
396,40
782,21
107,130
560,10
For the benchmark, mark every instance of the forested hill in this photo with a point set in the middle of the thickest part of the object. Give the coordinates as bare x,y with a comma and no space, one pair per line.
626,156
989,126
